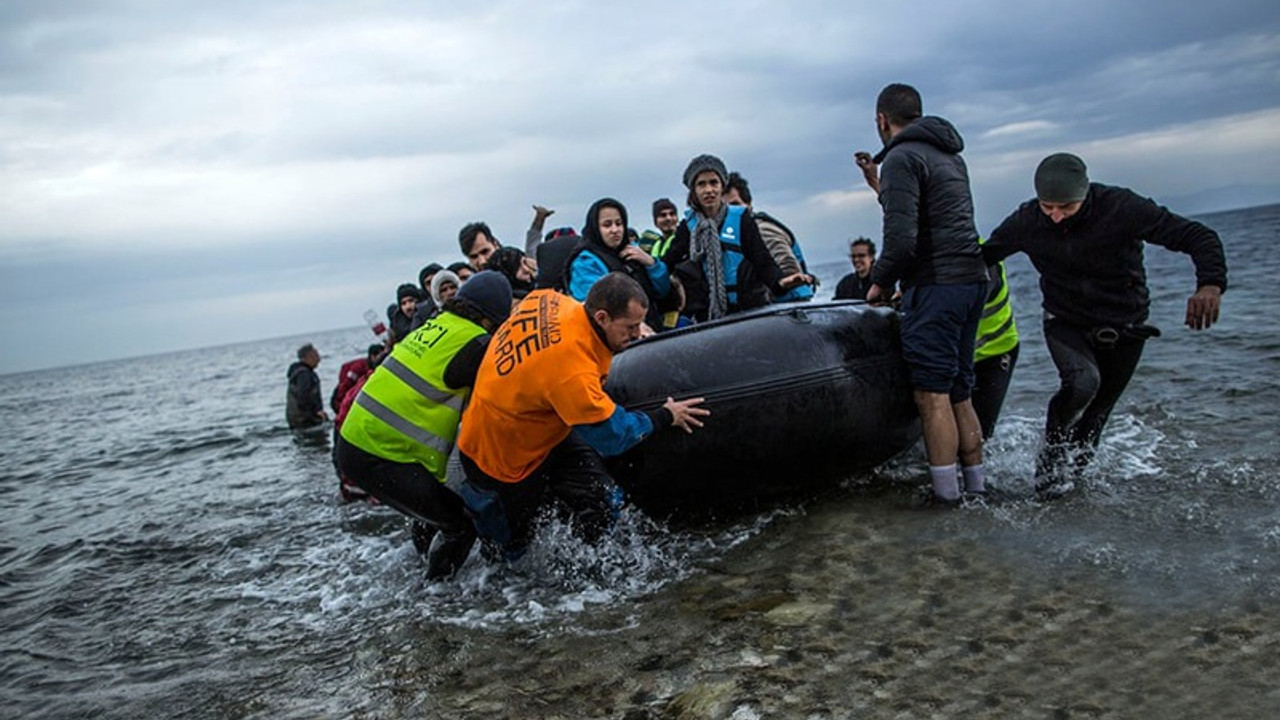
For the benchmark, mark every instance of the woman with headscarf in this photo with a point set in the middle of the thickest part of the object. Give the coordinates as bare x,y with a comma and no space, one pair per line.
605,249
718,254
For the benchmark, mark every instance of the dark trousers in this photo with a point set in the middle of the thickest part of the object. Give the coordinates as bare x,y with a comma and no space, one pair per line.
572,479
1093,374
991,378
411,489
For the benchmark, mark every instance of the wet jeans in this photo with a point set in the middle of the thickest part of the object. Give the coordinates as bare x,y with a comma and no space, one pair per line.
573,479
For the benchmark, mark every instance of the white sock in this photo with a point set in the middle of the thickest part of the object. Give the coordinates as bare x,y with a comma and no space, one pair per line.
945,483
974,478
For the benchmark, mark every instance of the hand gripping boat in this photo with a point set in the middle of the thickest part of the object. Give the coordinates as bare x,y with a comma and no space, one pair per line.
801,395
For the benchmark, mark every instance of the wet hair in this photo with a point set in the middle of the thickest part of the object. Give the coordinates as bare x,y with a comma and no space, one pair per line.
613,293
467,235
863,241
306,350
506,260
739,183
900,103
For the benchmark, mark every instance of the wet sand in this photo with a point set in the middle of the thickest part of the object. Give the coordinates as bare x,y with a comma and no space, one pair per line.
859,609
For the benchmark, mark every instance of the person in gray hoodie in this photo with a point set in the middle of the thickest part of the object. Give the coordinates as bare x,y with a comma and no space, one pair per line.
931,249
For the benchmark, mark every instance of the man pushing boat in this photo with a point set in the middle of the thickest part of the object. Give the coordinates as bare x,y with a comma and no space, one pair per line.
539,419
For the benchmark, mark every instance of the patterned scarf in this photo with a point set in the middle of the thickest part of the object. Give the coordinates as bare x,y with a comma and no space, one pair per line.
705,249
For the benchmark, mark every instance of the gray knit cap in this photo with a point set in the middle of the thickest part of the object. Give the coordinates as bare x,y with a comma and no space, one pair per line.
701,164
1062,178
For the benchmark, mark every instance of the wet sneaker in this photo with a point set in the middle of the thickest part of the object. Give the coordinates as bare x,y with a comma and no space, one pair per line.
1054,488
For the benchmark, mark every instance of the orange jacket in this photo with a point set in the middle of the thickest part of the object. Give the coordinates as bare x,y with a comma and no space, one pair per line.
543,373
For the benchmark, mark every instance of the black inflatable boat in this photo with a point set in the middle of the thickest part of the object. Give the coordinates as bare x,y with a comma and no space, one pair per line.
802,396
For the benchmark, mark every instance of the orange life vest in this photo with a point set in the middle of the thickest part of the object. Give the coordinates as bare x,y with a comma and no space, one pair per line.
542,374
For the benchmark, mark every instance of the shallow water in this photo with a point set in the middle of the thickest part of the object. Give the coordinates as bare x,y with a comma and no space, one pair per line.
171,550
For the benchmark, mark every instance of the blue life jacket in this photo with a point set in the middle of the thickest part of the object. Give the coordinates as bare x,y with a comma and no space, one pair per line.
799,292
730,247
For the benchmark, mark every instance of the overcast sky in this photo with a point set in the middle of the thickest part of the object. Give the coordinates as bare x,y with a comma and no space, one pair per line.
187,174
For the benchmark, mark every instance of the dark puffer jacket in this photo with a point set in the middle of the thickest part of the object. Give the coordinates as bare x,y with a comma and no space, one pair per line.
1091,264
929,233
303,404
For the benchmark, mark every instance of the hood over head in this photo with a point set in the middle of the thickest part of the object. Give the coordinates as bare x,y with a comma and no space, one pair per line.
591,231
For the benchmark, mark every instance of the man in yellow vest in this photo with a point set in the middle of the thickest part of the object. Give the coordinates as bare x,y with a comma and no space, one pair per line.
995,352
396,440
540,420
666,217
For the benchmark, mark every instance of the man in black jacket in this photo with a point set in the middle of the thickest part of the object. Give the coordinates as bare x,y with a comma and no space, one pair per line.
1086,241
304,406
931,248
854,286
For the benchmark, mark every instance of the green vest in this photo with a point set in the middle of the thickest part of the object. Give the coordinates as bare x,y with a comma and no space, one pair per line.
658,245
997,333
405,413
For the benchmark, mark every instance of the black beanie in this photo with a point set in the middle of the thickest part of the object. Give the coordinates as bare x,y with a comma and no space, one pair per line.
490,293
431,269
1062,178
663,204
407,290
701,164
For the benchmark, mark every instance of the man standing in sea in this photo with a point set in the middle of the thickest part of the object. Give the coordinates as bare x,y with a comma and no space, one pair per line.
1086,241
931,248
304,407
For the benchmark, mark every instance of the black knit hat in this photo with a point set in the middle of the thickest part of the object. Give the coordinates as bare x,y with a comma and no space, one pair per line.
701,164
428,271
407,290
663,204
490,293
1062,178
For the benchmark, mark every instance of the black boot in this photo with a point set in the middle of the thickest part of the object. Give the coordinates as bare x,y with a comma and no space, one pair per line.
422,534
448,555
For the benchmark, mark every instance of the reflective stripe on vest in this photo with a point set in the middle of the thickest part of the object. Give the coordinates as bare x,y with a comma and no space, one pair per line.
405,413
730,247
661,247
997,333
419,435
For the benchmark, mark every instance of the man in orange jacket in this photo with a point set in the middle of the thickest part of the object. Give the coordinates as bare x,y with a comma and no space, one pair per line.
539,419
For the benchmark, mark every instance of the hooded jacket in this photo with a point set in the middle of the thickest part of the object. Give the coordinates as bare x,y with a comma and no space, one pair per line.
592,259
1091,264
303,403
929,233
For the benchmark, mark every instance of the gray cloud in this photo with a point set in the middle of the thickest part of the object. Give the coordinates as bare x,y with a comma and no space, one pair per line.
209,158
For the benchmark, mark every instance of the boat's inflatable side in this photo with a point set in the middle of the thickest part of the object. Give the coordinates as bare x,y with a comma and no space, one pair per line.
801,396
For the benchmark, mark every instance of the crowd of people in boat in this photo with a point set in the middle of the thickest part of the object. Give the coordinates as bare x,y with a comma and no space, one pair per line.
485,407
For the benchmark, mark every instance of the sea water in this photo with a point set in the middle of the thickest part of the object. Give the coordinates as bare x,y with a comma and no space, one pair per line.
170,549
